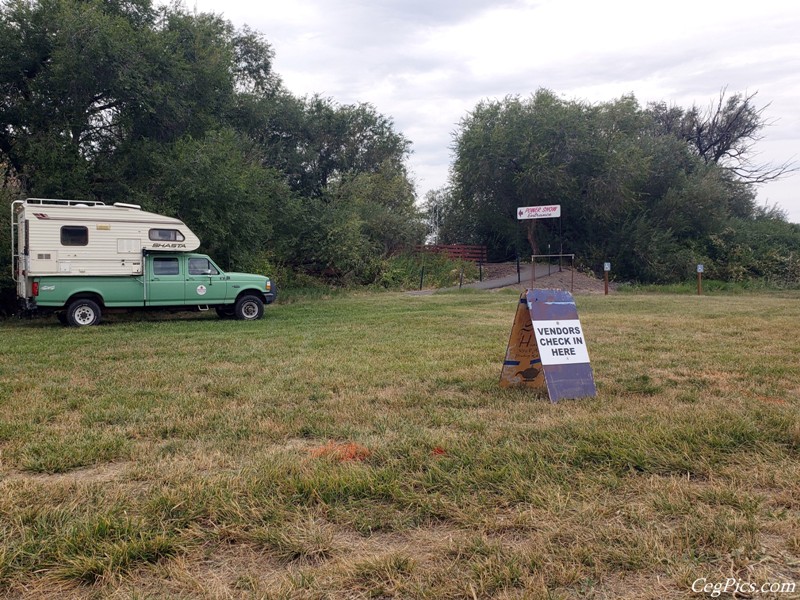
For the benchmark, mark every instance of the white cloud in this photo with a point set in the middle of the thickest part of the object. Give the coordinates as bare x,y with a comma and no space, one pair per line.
426,64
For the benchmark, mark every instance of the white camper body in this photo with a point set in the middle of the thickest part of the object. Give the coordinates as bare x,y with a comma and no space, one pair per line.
80,238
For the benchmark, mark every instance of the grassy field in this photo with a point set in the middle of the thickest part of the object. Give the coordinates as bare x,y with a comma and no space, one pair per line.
360,447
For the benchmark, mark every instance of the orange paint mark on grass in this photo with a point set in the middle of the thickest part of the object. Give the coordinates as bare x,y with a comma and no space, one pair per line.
342,451
772,400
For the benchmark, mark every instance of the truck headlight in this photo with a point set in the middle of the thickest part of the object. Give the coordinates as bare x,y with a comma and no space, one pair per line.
268,285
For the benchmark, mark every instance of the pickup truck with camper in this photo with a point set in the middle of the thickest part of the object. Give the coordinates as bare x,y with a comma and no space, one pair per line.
79,259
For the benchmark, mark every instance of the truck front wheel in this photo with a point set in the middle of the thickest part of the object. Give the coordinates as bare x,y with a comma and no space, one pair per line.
249,308
225,312
83,312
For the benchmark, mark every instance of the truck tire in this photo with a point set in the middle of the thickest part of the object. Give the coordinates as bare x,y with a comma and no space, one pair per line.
249,308
225,312
83,312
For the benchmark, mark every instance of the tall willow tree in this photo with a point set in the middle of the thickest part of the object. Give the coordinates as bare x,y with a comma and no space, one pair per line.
637,186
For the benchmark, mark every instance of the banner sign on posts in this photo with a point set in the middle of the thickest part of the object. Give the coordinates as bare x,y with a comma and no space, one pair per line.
547,347
539,212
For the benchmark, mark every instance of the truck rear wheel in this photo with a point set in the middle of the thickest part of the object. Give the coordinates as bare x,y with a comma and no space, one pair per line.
249,308
83,312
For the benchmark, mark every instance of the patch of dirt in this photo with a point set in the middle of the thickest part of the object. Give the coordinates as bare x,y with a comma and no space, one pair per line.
102,473
565,279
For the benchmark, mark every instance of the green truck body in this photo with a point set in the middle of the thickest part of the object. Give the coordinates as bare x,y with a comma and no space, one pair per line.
169,280
80,260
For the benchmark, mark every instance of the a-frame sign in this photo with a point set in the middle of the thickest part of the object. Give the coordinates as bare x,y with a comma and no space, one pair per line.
547,347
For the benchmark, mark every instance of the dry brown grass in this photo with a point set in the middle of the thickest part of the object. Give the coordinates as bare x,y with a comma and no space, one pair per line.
362,448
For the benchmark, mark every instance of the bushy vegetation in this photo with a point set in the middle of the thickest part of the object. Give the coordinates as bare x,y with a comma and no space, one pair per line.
654,190
182,113
410,271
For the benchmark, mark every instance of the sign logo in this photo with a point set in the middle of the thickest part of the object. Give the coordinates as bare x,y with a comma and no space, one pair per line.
539,212
201,290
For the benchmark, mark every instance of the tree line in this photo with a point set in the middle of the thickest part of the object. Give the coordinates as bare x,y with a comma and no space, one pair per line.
183,113
654,190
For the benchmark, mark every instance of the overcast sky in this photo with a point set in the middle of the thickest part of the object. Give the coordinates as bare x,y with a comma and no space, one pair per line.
426,63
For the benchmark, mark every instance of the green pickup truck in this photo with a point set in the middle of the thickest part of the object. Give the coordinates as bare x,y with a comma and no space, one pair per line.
170,280
79,259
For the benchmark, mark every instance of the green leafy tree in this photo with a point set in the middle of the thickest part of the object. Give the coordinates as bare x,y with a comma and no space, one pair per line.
183,113
385,201
67,72
218,185
334,142
542,150
645,188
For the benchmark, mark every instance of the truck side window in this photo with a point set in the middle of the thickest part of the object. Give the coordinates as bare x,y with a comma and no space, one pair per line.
201,266
166,235
72,235
165,266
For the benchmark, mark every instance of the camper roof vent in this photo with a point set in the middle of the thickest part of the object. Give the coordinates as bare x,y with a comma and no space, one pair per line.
125,205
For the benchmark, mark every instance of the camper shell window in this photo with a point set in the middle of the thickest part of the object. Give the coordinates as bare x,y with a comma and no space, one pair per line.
166,235
72,235
165,266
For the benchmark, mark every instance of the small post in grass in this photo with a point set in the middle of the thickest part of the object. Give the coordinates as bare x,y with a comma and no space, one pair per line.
700,270
606,269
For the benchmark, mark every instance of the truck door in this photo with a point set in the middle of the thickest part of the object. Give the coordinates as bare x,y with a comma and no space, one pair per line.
205,284
166,281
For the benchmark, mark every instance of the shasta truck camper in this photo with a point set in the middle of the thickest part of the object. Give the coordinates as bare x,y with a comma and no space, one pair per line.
79,259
